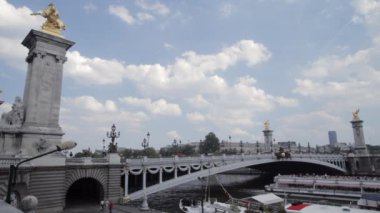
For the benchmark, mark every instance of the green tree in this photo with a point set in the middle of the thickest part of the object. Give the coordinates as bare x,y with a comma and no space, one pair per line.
187,150
210,144
149,152
84,153
128,153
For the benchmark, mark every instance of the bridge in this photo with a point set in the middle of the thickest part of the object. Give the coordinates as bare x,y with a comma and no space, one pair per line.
193,167
57,184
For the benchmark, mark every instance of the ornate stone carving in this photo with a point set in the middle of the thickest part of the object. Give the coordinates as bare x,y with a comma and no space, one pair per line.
35,53
15,117
42,145
355,115
266,125
61,59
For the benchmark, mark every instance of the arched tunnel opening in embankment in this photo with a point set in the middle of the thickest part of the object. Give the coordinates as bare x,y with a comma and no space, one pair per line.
292,167
85,191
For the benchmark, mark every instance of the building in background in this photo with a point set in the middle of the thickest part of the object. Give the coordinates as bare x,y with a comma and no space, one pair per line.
333,139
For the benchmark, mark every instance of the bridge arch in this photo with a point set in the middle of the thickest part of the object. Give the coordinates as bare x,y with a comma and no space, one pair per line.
87,186
216,166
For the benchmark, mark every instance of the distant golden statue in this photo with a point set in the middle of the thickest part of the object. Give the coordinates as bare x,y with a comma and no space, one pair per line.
266,125
53,23
355,115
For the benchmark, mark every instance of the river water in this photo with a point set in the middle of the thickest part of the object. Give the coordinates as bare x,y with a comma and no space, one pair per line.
238,186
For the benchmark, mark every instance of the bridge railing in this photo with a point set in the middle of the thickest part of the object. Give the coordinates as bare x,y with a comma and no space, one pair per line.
86,160
224,158
6,161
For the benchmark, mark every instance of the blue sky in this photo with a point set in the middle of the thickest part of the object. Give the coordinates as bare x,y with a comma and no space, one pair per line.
181,69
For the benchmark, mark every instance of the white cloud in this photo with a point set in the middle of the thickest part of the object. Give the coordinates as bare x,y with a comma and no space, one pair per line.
149,12
353,77
14,25
89,7
145,17
173,135
226,9
156,7
159,107
286,102
195,117
198,101
5,107
17,21
11,52
123,13
93,70
367,12
314,125
91,104
191,70
168,46
239,132
329,65
85,115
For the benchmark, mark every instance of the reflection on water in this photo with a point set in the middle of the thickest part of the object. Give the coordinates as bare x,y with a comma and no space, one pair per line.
238,186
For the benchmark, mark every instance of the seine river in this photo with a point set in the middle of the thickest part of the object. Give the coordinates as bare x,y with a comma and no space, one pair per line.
238,186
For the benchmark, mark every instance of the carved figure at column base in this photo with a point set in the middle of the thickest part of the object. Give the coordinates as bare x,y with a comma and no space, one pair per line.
15,117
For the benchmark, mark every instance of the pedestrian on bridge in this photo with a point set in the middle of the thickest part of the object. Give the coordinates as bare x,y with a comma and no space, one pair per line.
102,205
110,206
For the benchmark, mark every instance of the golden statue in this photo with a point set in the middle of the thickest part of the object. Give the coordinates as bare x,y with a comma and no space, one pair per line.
53,23
266,125
355,115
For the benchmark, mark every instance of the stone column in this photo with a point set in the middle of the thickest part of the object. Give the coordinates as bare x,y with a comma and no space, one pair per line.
160,176
126,173
42,92
268,139
144,179
359,145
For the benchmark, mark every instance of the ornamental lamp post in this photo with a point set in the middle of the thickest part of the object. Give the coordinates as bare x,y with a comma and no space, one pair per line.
144,143
241,147
257,147
230,141
1,102
67,145
175,143
104,147
113,134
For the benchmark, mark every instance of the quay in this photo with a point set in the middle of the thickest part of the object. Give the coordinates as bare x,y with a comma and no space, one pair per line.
130,208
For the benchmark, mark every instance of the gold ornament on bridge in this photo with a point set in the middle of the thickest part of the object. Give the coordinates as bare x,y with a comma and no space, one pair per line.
355,115
266,125
53,23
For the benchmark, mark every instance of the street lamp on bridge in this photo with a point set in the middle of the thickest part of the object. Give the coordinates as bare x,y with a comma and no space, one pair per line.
145,142
148,135
241,147
13,169
175,143
104,148
229,137
1,102
113,134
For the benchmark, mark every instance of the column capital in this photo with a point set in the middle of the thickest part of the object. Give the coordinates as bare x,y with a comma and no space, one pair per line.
35,53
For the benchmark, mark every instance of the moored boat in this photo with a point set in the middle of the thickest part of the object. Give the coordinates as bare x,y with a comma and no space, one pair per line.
209,207
318,208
